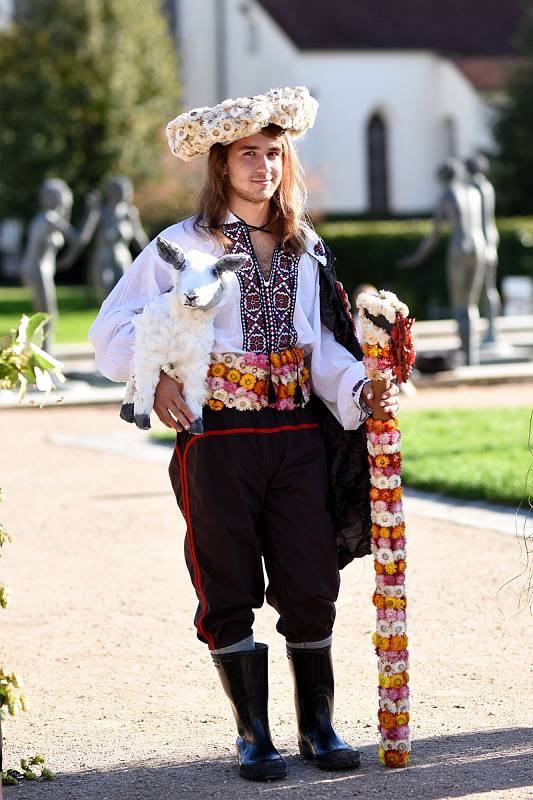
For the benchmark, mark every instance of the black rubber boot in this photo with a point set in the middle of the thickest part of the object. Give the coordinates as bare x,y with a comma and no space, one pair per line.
244,677
312,671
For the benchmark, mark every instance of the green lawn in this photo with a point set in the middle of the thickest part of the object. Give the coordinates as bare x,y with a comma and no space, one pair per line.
77,310
481,454
477,454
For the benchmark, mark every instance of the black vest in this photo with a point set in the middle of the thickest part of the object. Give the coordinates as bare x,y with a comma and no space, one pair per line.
347,457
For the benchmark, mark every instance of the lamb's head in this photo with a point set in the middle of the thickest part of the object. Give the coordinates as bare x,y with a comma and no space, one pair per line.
198,277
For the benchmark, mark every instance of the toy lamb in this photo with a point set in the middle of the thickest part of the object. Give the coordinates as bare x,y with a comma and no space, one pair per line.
175,332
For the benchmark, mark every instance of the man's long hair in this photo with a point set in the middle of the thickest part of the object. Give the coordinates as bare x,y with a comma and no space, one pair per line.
288,215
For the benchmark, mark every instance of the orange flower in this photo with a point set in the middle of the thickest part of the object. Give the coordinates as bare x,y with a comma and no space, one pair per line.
396,681
248,381
304,374
291,388
233,375
217,370
374,529
397,493
282,391
261,388
380,569
216,405
398,531
386,495
386,719
393,758
381,461
402,718
384,533
275,359
374,495
398,643
402,565
378,600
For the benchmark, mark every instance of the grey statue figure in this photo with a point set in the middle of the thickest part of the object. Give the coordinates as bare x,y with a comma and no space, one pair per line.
49,231
477,168
459,205
119,227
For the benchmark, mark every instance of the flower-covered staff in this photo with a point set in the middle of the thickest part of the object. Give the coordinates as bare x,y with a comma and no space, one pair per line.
388,354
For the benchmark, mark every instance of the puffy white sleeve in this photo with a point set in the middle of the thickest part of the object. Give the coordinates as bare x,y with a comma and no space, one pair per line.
112,333
337,376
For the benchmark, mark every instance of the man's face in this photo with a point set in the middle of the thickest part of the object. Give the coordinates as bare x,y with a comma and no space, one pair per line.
254,167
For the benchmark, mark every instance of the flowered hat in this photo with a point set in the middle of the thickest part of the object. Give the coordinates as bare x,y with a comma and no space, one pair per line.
194,132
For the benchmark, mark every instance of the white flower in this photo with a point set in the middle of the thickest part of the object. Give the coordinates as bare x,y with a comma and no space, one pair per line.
221,394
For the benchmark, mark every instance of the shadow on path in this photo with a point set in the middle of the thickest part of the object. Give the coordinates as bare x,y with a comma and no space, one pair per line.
442,767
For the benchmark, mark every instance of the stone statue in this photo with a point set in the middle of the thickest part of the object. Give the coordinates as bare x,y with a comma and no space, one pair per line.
48,232
119,227
460,205
477,168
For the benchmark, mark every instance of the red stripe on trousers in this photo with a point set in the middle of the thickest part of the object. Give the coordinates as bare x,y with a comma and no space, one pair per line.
198,585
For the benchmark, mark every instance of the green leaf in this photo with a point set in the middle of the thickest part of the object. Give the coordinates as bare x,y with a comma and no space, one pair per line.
35,330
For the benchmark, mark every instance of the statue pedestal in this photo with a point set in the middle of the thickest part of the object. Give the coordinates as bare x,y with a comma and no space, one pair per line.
499,352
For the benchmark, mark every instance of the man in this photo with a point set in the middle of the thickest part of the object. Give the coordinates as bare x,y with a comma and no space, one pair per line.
254,485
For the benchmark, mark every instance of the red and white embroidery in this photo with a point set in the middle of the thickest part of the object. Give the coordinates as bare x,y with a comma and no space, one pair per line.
267,307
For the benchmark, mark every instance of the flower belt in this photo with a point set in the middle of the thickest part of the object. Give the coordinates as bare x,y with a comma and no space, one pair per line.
252,381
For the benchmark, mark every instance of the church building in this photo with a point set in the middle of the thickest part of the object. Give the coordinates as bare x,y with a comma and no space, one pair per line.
402,84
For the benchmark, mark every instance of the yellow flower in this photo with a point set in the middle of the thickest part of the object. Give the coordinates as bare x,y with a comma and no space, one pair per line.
390,569
233,375
216,405
248,381
218,370
304,374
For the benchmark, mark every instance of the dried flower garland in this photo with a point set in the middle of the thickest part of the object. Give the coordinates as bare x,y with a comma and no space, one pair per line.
388,353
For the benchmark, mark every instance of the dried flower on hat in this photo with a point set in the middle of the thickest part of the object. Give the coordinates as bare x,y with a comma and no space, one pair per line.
194,132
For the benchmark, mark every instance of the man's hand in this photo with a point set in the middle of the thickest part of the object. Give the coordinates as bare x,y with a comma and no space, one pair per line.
170,406
388,402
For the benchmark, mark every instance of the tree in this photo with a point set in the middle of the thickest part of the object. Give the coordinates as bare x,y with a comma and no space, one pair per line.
513,172
86,88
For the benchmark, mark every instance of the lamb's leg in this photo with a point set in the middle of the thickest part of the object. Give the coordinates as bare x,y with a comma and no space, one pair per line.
126,411
146,377
195,404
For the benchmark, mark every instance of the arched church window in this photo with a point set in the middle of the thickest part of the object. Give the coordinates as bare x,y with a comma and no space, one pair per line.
450,136
378,179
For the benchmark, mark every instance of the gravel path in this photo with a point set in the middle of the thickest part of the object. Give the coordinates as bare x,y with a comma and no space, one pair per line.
125,701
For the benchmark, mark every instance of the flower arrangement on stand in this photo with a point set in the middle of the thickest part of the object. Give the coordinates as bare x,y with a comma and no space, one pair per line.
388,354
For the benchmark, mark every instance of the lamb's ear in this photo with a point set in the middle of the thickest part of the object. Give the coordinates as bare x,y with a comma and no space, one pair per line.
231,262
170,252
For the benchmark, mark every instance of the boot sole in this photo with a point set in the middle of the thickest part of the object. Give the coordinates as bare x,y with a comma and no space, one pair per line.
272,772
336,760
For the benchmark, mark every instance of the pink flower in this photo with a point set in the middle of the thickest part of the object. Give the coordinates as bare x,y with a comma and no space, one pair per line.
395,436
397,544
230,387
402,732
380,505
403,692
241,392
382,613
215,383
251,396
400,579
389,580
395,507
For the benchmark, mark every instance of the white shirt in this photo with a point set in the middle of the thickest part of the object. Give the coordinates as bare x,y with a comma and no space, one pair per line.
336,376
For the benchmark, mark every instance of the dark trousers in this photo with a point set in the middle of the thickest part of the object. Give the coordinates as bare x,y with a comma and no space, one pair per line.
254,485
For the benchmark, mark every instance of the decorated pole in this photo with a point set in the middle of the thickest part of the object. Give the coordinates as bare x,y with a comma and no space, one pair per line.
388,354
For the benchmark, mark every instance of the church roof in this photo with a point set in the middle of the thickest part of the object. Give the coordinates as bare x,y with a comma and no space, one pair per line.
454,27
